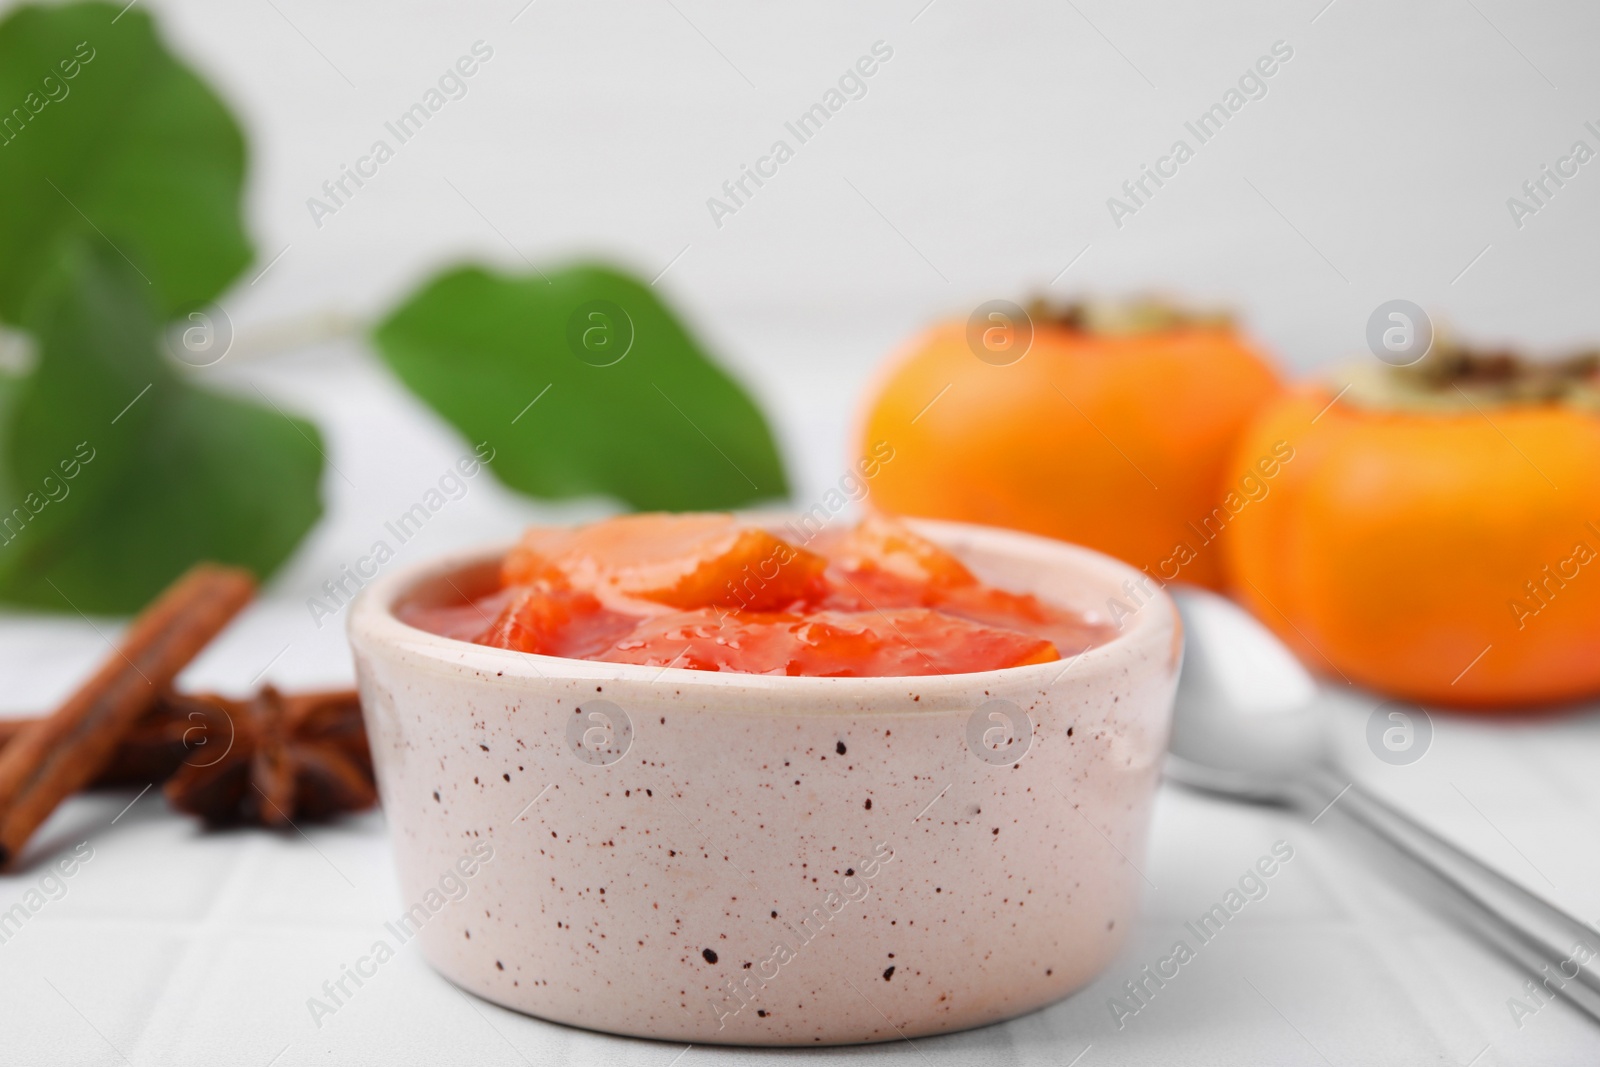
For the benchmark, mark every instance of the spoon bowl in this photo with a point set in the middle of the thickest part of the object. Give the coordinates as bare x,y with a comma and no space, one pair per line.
1246,722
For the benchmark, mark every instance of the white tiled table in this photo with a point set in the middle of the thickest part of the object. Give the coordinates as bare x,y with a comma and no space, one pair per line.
173,946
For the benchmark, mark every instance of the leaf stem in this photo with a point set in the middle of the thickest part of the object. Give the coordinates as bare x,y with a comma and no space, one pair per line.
288,335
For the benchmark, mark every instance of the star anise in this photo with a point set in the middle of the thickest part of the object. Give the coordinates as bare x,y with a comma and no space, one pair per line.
272,759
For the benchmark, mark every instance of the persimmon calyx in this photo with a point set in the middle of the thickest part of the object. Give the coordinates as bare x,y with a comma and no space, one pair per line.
1124,318
1453,378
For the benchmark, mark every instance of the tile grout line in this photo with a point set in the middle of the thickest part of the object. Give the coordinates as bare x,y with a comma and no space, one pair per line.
1362,915
156,1039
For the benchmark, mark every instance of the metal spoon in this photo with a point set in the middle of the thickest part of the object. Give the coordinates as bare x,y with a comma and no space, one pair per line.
1246,727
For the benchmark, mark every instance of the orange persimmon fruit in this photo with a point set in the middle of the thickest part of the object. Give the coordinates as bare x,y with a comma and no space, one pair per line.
1112,430
1436,534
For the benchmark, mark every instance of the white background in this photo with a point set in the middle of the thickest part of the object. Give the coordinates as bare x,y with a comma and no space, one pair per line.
977,166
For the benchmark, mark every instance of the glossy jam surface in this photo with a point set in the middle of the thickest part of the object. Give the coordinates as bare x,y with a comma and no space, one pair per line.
710,592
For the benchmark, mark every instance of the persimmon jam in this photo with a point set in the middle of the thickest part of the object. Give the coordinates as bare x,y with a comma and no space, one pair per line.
711,592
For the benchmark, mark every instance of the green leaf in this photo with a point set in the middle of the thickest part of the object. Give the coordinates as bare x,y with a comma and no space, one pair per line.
103,132
118,473
583,383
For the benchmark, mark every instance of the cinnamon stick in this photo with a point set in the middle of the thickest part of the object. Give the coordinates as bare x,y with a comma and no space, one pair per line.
149,752
53,757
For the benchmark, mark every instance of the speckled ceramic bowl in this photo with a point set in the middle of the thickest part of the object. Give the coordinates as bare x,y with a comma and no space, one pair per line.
743,859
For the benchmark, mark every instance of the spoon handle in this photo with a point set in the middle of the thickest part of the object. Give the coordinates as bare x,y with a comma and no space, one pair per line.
1561,953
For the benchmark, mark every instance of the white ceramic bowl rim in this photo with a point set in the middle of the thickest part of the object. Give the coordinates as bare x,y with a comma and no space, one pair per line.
373,615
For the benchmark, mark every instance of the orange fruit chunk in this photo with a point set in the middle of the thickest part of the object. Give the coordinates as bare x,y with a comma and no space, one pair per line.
555,622
686,562
902,642
882,544
1069,631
